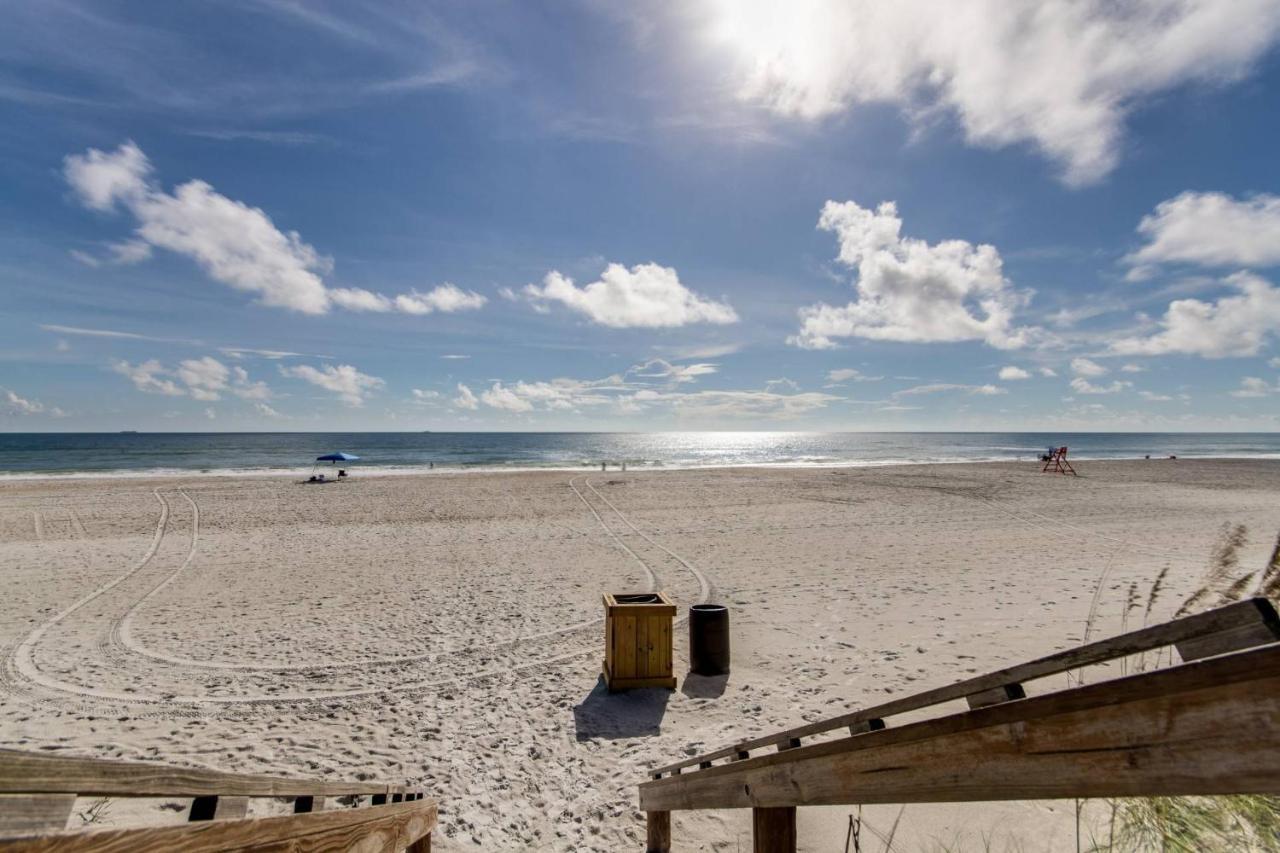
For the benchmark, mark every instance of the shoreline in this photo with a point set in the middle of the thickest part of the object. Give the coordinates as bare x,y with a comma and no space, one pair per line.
583,468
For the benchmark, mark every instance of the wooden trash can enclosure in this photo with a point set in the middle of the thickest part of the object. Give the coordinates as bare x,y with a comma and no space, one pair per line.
637,640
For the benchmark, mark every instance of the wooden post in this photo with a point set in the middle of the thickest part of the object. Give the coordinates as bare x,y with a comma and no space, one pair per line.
773,830
422,845
218,808
659,830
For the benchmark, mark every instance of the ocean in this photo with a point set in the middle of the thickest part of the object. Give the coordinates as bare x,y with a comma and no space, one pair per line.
134,454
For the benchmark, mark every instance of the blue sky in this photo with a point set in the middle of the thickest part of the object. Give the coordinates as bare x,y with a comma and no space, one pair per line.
282,215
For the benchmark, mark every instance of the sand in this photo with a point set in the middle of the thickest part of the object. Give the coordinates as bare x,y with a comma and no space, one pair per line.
445,629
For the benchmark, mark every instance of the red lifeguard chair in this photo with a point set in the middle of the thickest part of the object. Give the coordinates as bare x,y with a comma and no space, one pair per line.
1056,462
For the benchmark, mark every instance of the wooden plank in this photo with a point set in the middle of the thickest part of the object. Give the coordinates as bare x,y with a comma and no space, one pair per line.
626,646
392,827
218,808
657,832
665,666
304,805
773,830
1230,617
642,645
996,695
1211,727
31,814
40,773
1243,636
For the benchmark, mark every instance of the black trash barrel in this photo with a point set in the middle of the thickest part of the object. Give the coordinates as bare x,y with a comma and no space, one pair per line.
709,639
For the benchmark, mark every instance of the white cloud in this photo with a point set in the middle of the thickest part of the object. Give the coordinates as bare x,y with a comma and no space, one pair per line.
658,368
204,377
1153,397
1010,373
246,389
455,357
1048,371
1253,386
465,399
13,404
199,378
645,296
909,290
446,298
349,384
849,374
1235,325
102,179
234,243
739,404
1060,75
1132,368
149,377
1274,362
1083,386
783,383
508,399
266,411
1209,229
426,396
1085,367
943,387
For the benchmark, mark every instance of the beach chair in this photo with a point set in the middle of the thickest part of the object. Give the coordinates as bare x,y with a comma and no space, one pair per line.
1057,463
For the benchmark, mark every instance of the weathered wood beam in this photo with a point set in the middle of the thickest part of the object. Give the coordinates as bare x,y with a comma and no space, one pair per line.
1210,727
36,773
391,827
1255,616
32,814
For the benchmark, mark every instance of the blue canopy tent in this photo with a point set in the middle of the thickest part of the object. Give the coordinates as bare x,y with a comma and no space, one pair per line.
334,458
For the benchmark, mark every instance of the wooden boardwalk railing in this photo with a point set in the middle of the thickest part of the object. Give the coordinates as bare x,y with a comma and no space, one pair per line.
38,794
1210,725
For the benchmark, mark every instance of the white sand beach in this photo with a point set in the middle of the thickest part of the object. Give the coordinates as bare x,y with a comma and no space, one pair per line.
446,628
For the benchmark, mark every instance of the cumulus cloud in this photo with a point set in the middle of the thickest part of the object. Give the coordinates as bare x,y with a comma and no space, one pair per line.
1087,367
508,399
236,244
149,377
909,290
1254,386
644,296
1153,397
204,377
349,384
1083,386
1048,372
1010,372
1237,325
1211,230
13,404
199,378
1061,76
466,399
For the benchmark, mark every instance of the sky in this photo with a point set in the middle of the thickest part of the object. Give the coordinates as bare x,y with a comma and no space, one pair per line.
708,214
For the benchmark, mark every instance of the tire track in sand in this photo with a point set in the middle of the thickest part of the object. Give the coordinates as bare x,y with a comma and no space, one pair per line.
122,635
22,665
25,665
